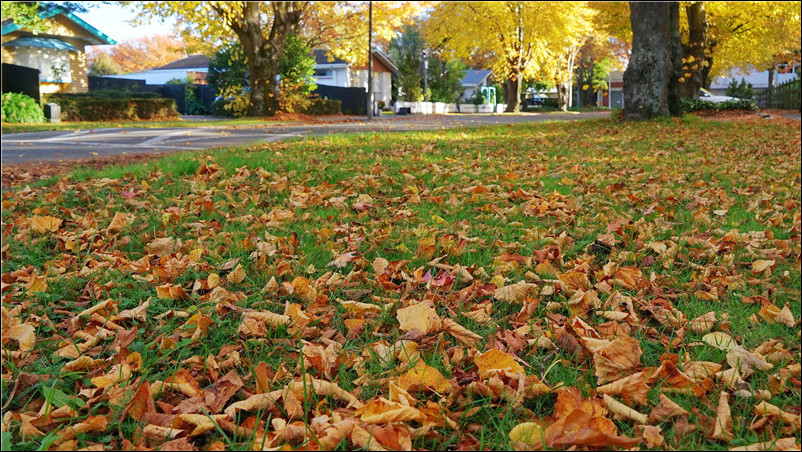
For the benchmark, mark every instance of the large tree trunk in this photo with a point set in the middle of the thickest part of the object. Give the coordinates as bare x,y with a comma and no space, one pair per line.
694,52
562,96
512,94
675,55
264,55
647,79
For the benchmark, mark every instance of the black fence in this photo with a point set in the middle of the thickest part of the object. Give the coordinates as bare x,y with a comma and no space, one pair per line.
122,84
354,100
785,96
21,79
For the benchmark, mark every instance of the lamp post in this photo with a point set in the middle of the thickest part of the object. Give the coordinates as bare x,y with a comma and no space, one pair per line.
370,60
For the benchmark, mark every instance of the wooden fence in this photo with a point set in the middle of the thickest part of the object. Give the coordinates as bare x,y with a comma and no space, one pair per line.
785,96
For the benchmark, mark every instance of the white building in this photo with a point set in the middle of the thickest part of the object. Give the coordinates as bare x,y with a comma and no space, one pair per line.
196,66
330,71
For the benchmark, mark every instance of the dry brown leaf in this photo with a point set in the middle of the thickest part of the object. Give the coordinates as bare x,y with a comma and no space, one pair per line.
779,444
622,410
514,293
237,275
461,333
722,429
424,378
45,224
666,409
703,323
619,358
530,433
120,221
633,389
419,317
382,411
494,361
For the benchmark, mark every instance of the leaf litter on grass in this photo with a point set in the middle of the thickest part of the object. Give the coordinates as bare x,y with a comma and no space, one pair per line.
540,286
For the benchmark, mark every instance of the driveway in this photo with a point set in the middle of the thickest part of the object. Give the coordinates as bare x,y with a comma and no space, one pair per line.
52,146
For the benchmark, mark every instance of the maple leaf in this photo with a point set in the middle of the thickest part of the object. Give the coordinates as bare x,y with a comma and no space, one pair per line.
45,224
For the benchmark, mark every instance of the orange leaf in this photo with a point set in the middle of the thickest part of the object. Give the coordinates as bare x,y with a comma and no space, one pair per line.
45,224
494,361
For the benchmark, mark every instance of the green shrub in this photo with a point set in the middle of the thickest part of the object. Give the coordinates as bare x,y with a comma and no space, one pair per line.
550,102
21,109
324,107
89,107
741,91
696,104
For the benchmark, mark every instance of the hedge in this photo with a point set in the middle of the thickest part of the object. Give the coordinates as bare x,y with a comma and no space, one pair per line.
93,107
696,104
324,107
21,109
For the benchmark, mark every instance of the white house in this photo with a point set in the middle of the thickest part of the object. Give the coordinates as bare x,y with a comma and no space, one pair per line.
196,66
758,79
330,71
474,80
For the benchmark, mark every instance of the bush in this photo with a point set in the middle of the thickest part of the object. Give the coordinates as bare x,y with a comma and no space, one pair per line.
21,109
741,91
324,107
696,104
550,102
90,107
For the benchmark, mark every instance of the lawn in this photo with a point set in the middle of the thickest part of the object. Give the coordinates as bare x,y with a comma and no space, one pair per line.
149,124
589,284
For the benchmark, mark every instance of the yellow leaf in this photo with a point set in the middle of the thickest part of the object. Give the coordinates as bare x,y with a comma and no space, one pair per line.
237,275
37,284
45,224
419,317
423,377
529,433
493,361
120,221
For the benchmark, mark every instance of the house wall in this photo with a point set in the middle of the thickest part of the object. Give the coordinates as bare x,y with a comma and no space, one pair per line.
382,81
58,27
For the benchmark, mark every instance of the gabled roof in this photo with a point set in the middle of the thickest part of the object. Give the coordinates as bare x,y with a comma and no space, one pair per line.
321,58
758,79
190,62
54,10
47,43
474,77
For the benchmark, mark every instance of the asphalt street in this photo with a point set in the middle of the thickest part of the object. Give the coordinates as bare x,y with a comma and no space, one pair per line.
82,144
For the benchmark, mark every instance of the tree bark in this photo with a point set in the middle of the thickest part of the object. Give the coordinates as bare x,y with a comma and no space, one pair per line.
264,55
675,56
512,94
771,78
647,79
694,51
562,96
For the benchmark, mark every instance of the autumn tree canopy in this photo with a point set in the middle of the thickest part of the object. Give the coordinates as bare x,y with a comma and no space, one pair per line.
141,54
523,38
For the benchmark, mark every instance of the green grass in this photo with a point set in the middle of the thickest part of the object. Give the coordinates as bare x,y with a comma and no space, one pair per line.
152,124
496,200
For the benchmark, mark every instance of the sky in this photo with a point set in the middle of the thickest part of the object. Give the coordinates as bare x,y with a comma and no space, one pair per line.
112,20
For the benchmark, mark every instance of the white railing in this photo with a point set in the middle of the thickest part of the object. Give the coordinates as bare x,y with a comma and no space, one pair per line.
429,108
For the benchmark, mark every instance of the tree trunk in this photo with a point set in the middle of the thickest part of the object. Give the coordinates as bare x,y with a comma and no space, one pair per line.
647,79
562,96
675,55
512,94
771,78
694,52
264,55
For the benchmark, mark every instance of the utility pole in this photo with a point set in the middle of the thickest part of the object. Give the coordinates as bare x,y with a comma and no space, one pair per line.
370,60
425,55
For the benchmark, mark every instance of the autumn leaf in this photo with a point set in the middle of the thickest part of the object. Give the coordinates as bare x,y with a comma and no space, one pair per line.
45,224
419,317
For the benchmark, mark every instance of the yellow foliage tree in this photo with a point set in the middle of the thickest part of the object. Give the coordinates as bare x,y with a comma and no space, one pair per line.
523,39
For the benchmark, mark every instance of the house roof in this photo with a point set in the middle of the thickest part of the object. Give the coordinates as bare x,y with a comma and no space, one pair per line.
321,58
190,62
48,43
98,38
474,77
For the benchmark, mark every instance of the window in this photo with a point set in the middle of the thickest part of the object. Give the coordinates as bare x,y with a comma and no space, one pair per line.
319,73
53,64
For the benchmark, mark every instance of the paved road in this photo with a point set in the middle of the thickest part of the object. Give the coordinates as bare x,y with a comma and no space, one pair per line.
81,144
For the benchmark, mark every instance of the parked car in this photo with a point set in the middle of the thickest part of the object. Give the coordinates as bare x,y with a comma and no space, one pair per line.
710,97
537,100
